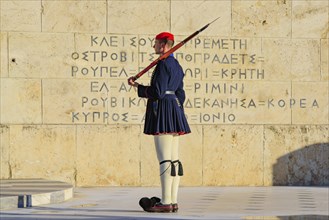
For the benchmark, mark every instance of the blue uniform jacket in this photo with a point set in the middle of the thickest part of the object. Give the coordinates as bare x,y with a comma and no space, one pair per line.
167,76
166,96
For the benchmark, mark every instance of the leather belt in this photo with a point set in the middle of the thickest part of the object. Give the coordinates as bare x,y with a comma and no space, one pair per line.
169,92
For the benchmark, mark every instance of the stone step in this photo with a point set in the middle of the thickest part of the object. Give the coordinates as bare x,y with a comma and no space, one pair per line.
22,193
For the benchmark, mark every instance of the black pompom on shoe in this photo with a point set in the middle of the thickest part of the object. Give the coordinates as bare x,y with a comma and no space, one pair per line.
147,203
155,200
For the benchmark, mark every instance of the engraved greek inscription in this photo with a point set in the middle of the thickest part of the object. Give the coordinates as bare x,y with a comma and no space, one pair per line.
110,41
96,86
99,117
87,101
218,74
135,42
219,88
238,73
216,118
223,44
100,71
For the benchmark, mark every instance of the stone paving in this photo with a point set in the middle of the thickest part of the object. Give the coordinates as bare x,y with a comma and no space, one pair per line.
279,203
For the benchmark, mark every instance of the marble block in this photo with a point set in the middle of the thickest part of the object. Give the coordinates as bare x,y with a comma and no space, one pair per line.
22,16
20,101
108,155
74,16
43,151
233,155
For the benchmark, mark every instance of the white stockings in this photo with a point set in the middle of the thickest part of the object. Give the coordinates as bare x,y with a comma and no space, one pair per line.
167,152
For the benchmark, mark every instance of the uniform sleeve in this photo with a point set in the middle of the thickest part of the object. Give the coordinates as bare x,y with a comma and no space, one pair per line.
158,85
180,93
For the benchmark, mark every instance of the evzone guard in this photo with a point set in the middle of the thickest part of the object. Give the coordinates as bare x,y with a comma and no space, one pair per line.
165,118
166,121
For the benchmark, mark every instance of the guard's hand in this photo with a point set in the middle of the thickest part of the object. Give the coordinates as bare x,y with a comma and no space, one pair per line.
131,82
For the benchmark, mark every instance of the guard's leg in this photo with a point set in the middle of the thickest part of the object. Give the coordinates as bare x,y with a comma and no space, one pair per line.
163,144
177,164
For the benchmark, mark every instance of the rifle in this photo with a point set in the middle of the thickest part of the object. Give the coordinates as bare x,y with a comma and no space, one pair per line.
165,55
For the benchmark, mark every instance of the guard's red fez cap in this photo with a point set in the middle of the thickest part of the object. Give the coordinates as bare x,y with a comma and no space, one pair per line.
165,35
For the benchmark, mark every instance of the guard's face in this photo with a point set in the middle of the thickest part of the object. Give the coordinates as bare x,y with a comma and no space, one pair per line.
158,47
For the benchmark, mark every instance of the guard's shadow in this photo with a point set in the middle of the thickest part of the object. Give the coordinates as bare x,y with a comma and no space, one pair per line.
308,166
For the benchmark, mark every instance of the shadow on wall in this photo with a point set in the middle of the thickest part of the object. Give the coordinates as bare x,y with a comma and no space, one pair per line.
308,166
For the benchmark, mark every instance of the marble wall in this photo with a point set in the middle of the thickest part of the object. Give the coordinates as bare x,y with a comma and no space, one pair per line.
257,87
